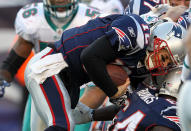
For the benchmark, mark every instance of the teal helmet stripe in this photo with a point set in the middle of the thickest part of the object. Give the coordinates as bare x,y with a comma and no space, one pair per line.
187,66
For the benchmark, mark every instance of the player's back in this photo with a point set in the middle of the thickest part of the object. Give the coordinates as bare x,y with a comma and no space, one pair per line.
140,7
120,30
73,41
145,110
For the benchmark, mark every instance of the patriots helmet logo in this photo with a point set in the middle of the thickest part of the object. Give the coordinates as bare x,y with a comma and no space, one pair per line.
124,40
176,31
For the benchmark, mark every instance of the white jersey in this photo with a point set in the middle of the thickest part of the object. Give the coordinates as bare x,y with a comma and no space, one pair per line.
33,25
108,6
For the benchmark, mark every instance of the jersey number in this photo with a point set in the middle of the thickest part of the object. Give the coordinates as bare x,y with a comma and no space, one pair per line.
28,12
146,35
91,13
131,123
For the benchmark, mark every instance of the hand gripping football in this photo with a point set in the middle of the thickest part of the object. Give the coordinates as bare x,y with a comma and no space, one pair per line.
117,74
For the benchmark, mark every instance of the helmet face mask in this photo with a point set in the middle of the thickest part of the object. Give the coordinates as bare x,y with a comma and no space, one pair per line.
161,59
166,50
60,9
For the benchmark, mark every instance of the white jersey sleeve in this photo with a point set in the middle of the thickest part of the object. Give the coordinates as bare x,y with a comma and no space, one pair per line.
83,15
109,6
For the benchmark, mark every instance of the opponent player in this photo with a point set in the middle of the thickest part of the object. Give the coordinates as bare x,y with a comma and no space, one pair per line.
38,24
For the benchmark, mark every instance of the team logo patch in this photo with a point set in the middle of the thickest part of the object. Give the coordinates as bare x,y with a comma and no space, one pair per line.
180,19
173,118
176,31
124,40
169,110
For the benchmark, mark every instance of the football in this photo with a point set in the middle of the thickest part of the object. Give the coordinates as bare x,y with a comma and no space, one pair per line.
117,74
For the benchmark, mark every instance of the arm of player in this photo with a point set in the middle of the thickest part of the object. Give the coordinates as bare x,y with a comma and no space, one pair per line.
174,13
12,63
105,113
95,58
15,59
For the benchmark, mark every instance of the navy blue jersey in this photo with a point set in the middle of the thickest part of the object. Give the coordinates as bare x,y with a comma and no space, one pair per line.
128,35
145,110
140,7
184,20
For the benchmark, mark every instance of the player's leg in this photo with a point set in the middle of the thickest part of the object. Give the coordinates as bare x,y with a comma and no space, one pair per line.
27,114
32,120
97,96
86,126
36,122
51,98
96,99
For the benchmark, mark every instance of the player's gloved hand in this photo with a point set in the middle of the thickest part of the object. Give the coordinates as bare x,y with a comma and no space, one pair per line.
82,114
120,101
120,98
3,84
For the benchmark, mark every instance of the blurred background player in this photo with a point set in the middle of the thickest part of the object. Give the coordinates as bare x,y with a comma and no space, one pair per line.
184,105
38,24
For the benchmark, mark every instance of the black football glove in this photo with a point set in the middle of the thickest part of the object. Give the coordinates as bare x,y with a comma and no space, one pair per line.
120,101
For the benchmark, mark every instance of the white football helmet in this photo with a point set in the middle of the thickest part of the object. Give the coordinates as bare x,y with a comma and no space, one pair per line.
172,82
166,49
60,9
